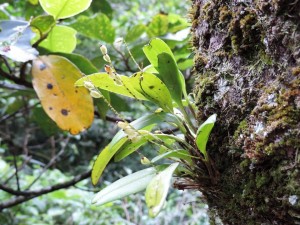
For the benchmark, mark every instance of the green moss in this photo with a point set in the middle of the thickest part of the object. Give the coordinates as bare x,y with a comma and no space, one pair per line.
225,13
261,180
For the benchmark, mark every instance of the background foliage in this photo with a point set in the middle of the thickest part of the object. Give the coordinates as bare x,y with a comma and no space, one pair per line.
32,142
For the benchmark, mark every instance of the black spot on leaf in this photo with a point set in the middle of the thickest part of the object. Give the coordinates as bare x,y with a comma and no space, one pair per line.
64,112
49,86
151,87
50,108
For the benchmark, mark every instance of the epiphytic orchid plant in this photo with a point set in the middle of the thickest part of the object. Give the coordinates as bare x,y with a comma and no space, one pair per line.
182,143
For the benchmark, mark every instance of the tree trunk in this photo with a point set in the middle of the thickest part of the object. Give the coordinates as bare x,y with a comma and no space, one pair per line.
247,62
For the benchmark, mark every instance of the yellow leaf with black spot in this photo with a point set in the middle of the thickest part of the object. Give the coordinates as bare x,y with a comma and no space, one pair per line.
69,106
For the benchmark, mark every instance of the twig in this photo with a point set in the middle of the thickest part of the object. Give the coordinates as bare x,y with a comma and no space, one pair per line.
15,79
27,195
51,162
16,169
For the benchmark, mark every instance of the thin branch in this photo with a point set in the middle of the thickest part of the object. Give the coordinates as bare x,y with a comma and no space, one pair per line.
52,161
16,169
9,86
15,79
7,64
27,195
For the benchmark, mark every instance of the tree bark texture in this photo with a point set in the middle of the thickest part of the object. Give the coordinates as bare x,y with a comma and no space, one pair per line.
247,65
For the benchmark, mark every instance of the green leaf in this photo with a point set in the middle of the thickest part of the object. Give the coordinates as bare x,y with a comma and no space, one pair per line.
43,24
103,81
135,32
178,154
119,103
169,74
157,190
103,159
203,133
60,39
125,186
15,39
98,27
144,121
153,89
47,125
185,64
64,8
120,139
102,6
177,23
150,69
153,50
158,26
130,147
81,62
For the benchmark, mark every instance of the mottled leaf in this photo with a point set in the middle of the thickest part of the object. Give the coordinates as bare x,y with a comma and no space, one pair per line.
53,80
153,89
158,26
98,26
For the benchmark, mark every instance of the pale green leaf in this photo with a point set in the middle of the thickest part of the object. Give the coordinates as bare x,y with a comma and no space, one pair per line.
157,190
103,81
64,8
125,186
60,39
203,133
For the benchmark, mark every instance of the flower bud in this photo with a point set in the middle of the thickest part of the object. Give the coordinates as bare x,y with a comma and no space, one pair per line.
103,49
95,94
107,58
145,160
135,139
88,84
122,124
158,110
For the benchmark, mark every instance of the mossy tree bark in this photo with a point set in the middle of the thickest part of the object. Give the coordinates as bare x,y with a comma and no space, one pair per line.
247,63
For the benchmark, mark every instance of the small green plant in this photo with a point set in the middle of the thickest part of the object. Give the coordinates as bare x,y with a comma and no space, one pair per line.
180,142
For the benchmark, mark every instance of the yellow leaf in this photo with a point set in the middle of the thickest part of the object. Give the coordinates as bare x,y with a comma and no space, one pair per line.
69,106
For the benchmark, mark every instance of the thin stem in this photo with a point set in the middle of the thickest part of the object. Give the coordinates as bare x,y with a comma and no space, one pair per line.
16,169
